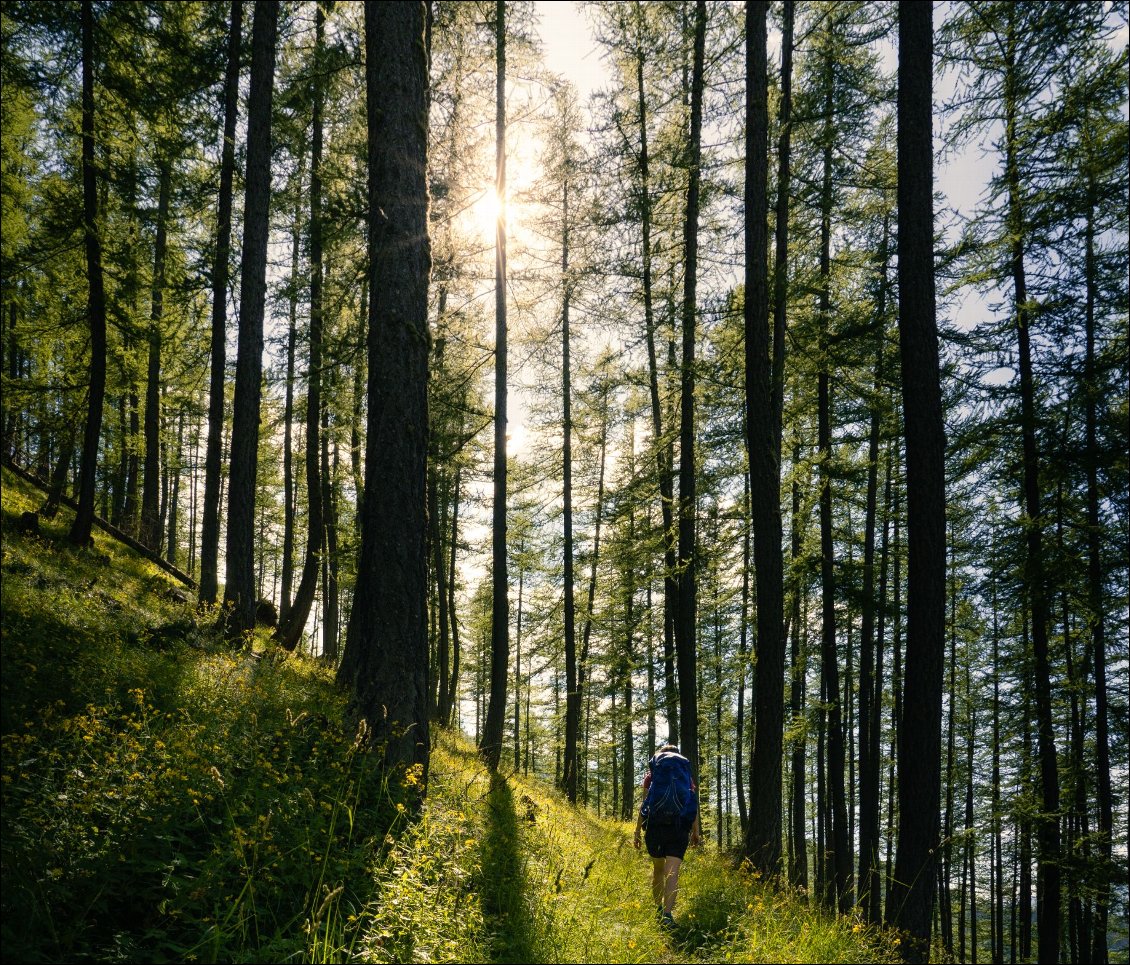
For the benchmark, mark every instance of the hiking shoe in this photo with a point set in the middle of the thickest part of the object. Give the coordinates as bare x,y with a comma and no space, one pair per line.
668,920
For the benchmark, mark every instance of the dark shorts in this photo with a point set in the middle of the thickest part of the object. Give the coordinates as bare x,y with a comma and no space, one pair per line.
667,840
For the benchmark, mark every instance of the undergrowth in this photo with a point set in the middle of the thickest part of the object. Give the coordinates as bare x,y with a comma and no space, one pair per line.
168,799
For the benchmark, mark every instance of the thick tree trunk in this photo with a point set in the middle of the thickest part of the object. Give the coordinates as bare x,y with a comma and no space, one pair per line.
763,838
385,663
239,589
920,727
210,523
685,635
491,742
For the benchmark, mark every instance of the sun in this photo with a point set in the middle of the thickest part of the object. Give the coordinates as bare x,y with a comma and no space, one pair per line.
486,211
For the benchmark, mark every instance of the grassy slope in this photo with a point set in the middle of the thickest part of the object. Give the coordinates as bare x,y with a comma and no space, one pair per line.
165,799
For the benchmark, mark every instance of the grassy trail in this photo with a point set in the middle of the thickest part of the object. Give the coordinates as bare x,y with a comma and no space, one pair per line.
502,870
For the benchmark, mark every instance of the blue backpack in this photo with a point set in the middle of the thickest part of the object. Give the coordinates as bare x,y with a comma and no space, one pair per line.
671,799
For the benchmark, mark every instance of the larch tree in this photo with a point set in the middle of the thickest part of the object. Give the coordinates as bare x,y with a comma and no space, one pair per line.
239,588
385,663
920,728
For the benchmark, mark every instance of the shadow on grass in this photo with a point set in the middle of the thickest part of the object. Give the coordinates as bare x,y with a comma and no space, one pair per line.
515,935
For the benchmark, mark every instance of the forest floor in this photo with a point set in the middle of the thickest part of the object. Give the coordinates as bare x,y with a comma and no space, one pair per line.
167,799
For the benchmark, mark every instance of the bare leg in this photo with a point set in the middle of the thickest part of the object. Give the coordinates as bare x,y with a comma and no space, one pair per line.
657,880
670,882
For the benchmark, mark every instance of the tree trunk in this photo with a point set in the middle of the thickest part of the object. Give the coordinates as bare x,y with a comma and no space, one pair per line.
798,872
491,742
290,630
84,517
385,663
867,883
569,761
150,495
837,853
210,523
239,589
664,449
1097,621
685,635
763,838
1048,836
920,727
288,409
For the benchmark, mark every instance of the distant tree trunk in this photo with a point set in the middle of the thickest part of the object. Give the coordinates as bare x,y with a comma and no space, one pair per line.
838,855
453,689
867,883
1096,620
50,506
920,727
1048,836
174,468
763,838
583,694
150,495
569,761
518,661
84,516
330,586
996,889
288,409
210,523
491,742
743,663
685,635
239,589
385,663
798,872
781,259
290,630
439,567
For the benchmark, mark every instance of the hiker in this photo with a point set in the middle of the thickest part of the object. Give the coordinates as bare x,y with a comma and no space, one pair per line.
669,812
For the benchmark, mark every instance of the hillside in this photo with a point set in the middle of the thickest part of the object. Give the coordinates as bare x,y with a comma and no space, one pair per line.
165,799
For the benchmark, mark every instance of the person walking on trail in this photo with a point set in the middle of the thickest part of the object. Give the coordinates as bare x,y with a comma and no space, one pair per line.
668,820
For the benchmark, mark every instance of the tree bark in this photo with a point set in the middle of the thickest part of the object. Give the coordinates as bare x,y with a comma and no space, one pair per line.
210,522
1048,835
920,727
685,635
763,837
664,449
150,495
385,663
491,741
569,760
96,309
239,589
837,854
290,630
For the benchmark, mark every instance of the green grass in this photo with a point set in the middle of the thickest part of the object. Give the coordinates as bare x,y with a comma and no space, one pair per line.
167,799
